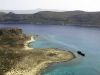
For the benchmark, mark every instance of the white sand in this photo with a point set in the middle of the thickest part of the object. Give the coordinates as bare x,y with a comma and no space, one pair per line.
28,65
26,47
33,71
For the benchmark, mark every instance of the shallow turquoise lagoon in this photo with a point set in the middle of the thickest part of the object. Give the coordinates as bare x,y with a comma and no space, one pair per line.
73,38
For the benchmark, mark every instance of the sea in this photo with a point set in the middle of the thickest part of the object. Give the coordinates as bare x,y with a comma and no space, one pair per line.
69,38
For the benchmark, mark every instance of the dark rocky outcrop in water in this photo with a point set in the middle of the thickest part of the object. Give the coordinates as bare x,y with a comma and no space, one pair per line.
16,60
80,53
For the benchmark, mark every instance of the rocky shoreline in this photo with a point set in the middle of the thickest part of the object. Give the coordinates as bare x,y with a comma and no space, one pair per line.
31,66
26,60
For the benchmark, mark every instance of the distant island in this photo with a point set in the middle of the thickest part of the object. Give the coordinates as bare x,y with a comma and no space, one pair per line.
17,58
55,18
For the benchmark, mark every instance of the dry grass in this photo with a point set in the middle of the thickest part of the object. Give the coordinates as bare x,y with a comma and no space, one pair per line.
22,60
16,61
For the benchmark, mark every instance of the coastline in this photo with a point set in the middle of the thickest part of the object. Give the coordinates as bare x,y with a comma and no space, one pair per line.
36,60
26,44
32,67
47,64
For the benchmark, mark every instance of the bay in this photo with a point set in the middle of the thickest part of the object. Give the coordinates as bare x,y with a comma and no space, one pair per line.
70,38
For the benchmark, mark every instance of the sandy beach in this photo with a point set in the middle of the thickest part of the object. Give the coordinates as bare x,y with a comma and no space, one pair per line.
17,58
35,60
26,45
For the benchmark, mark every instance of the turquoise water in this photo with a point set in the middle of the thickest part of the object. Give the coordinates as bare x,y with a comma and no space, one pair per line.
73,38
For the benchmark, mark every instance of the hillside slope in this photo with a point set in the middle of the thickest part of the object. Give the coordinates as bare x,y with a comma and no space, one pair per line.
49,17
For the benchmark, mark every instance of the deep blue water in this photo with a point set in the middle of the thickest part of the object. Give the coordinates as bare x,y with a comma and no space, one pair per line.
73,38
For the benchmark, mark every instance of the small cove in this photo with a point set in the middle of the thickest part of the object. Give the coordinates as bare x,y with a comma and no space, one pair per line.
73,38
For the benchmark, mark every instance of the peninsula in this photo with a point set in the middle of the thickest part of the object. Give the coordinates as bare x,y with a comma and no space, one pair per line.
53,18
16,58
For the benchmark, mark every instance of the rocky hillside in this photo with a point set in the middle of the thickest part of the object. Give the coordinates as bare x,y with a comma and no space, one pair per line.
14,60
49,17
12,37
11,42
11,31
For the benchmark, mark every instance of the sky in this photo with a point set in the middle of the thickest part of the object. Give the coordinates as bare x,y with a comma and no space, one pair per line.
67,5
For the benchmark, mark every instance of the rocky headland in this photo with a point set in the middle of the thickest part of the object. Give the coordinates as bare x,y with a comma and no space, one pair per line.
16,58
80,18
